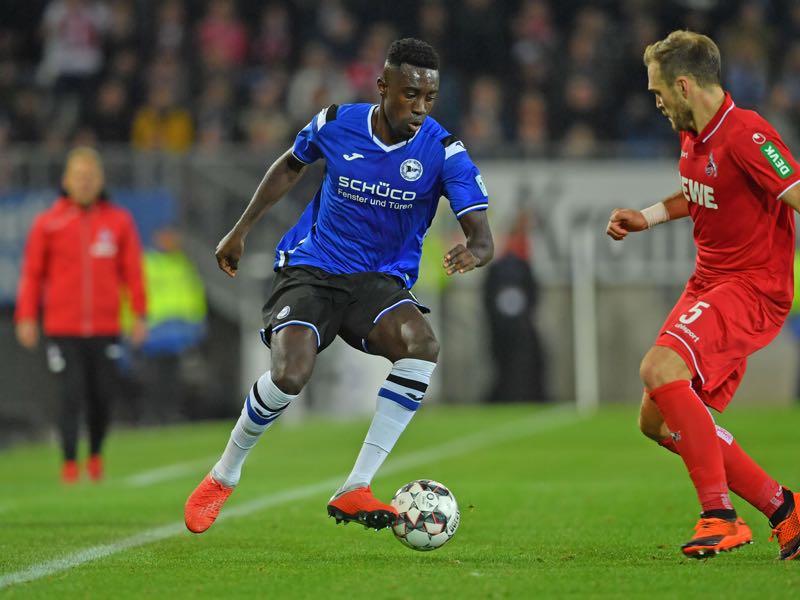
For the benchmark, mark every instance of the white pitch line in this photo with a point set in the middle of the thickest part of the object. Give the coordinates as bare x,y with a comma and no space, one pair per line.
538,423
175,471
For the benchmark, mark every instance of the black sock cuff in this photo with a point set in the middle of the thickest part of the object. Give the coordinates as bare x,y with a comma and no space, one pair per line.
720,513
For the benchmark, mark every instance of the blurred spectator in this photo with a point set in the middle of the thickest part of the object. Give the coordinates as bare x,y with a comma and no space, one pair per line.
215,109
72,57
162,124
363,72
331,51
122,26
338,29
176,322
482,125
171,37
581,105
221,36
433,26
479,36
272,44
26,119
510,296
263,123
532,135
315,84
534,41
579,141
746,73
111,115
81,238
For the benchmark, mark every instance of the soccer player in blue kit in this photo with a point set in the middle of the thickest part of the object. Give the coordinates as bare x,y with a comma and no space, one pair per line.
347,267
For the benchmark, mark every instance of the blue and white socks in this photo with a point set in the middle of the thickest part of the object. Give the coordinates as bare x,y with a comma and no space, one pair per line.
398,400
263,405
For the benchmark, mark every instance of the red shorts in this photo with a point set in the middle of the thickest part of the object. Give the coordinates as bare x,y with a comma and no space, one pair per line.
714,329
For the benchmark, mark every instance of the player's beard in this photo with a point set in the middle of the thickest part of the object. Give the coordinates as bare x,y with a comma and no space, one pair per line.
681,116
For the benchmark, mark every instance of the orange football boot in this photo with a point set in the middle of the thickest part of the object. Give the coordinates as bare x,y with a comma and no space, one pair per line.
360,505
713,536
94,466
203,505
69,472
788,533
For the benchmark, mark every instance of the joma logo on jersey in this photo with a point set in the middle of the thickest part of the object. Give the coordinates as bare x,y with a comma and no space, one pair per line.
382,189
697,192
782,168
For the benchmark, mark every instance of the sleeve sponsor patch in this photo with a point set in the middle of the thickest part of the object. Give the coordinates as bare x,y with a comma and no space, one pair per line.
776,160
479,181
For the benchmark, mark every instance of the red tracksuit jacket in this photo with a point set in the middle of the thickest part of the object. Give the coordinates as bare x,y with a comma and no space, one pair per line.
76,262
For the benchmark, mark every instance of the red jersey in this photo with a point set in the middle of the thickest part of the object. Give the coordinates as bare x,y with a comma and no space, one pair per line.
733,174
76,262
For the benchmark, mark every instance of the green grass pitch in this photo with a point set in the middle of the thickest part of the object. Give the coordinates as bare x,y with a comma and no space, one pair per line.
553,506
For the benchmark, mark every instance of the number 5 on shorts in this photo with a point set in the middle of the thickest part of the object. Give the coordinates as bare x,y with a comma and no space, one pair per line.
693,313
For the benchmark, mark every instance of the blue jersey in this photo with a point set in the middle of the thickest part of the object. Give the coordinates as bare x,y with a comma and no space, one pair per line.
376,202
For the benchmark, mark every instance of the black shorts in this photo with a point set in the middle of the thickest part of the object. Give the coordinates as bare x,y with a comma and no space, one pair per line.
346,305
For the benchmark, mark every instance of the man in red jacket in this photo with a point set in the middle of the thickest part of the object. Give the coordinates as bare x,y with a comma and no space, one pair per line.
79,256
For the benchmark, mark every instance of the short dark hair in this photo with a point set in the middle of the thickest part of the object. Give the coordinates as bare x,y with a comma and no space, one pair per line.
413,52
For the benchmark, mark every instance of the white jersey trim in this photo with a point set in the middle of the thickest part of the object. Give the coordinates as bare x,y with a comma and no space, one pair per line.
300,159
453,149
694,359
725,114
482,206
322,118
788,188
304,324
379,143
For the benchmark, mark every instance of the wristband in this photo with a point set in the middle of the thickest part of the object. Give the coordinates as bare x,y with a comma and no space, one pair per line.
655,214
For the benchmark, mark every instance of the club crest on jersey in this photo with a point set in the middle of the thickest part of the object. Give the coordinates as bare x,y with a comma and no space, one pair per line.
284,313
759,138
411,169
711,167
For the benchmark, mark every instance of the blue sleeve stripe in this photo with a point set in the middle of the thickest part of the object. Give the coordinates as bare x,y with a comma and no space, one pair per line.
481,206
304,324
401,400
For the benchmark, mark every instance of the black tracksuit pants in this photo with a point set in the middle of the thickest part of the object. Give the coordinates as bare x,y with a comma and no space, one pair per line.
87,376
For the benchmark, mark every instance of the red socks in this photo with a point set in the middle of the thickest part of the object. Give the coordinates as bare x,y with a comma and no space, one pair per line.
745,478
695,437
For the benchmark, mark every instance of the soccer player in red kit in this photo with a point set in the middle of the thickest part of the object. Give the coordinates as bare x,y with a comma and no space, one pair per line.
739,184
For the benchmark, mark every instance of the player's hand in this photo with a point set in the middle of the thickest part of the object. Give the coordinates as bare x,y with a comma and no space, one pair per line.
138,332
229,251
459,260
27,334
623,221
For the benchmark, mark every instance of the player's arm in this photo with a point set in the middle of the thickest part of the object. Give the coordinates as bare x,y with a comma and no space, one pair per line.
479,247
278,180
625,220
792,197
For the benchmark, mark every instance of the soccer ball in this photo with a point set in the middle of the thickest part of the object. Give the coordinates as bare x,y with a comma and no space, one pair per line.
428,514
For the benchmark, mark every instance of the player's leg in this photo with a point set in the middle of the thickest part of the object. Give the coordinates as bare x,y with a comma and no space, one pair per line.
300,321
665,373
294,351
403,336
65,361
102,390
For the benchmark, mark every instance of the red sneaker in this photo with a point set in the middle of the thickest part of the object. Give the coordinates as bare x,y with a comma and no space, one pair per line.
203,506
360,505
788,533
69,472
94,467
713,536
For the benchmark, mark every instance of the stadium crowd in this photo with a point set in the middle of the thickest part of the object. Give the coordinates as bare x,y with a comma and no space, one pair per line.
523,77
